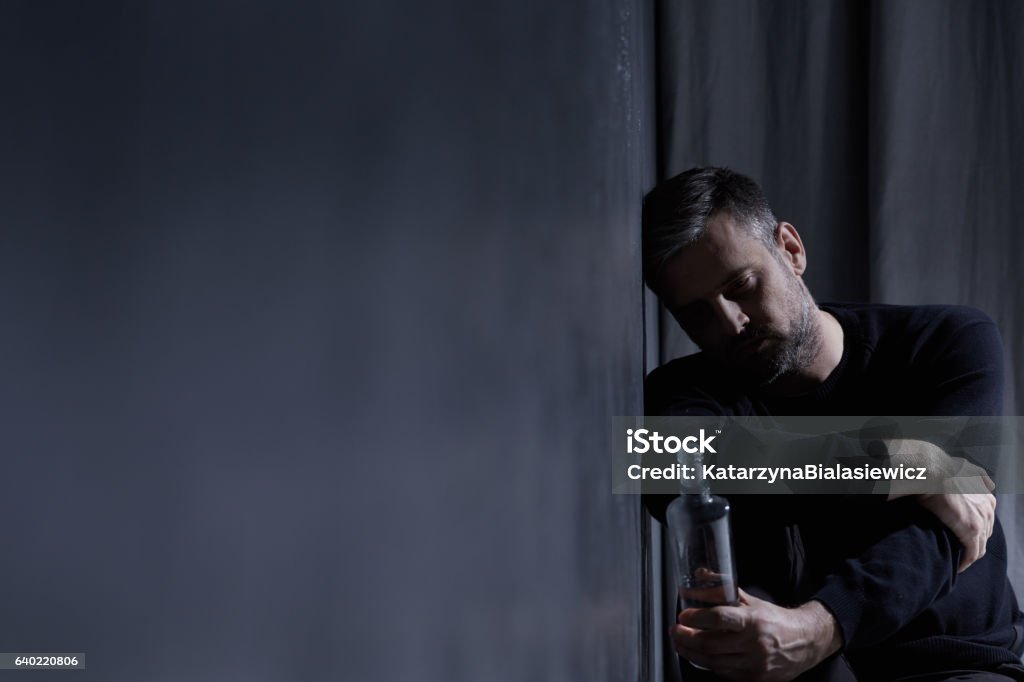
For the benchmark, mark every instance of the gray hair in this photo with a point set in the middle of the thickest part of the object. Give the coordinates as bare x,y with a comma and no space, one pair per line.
677,211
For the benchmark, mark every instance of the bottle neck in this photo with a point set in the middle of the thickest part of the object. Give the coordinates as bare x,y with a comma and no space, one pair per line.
695,484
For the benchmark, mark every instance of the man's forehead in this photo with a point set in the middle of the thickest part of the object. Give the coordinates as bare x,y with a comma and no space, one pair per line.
724,239
724,227
711,262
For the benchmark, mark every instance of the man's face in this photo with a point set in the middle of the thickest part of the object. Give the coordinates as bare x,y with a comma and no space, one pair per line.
741,302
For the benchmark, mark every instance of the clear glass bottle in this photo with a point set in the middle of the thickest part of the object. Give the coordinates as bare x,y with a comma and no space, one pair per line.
701,546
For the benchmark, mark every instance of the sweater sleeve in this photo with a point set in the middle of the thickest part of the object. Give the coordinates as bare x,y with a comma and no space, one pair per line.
904,562
880,588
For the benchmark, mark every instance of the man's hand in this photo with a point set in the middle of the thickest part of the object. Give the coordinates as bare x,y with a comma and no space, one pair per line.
967,506
971,517
757,640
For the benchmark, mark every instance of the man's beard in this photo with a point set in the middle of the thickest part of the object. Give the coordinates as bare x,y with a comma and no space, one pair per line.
786,352
799,347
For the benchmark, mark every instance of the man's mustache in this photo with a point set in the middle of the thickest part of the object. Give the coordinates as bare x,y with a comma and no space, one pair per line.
753,334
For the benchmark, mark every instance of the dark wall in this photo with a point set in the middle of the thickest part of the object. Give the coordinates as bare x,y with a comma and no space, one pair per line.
314,319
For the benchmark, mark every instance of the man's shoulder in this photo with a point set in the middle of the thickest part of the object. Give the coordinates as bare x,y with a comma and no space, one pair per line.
879,321
894,312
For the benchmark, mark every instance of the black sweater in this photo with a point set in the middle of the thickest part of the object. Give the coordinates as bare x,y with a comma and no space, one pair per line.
885,570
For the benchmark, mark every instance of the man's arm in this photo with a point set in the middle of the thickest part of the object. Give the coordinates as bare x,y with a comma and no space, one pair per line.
877,590
963,375
897,562
965,505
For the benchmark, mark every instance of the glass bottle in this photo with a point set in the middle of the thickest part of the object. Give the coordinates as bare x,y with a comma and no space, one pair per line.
701,547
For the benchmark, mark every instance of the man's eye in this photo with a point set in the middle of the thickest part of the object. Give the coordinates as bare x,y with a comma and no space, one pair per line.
744,284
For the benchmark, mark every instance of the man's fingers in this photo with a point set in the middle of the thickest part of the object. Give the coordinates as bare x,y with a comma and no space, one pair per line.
723,653
686,643
975,531
682,641
718,618
971,517
967,559
711,643
976,551
682,635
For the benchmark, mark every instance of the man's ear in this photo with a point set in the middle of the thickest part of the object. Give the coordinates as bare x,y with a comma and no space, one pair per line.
791,248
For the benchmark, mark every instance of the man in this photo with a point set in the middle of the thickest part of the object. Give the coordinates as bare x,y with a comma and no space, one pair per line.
875,581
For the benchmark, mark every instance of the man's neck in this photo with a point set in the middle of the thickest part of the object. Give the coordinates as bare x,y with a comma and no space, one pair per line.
817,370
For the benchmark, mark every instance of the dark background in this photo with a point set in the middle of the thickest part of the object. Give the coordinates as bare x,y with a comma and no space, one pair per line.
316,314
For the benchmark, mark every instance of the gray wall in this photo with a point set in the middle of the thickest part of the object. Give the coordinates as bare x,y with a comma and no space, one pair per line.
314,319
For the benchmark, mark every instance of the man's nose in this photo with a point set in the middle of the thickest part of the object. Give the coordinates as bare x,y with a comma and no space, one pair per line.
730,316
